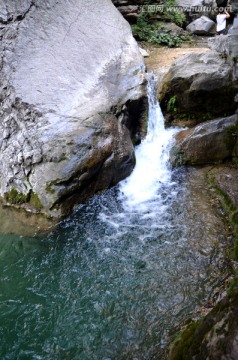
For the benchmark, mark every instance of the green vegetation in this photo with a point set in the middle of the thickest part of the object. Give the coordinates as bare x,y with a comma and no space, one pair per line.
234,58
50,188
153,32
181,345
14,197
35,201
171,106
174,14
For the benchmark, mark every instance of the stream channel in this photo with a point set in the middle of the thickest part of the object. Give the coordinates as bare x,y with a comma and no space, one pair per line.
123,271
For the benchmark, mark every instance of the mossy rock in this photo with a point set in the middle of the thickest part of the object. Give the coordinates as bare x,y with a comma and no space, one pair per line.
212,337
179,348
15,198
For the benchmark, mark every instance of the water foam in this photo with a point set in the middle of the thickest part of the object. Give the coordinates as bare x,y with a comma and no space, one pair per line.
152,169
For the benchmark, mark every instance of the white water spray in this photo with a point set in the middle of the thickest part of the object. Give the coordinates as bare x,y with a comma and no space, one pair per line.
152,169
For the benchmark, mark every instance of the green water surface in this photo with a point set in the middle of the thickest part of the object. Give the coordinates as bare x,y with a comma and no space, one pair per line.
110,284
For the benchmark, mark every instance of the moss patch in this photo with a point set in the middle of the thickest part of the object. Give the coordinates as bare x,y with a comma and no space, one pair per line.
35,201
181,345
196,342
15,198
233,287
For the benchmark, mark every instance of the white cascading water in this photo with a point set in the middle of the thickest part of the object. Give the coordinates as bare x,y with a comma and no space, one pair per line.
152,169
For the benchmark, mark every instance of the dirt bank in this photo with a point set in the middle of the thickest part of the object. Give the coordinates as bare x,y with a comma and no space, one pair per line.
161,58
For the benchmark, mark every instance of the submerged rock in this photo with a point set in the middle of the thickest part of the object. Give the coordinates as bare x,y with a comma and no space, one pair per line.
13,221
71,76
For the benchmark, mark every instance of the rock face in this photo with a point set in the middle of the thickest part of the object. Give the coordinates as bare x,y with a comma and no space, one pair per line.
216,335
208,143
71,76
130,9
234,4
215,338
228,46
200,83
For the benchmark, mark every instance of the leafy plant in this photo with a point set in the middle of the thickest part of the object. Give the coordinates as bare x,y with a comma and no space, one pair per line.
143,30
171,106
154,33
15,197
167,38
173,13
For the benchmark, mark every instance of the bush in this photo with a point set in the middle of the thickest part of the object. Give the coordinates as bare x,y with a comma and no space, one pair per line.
153,32
174,14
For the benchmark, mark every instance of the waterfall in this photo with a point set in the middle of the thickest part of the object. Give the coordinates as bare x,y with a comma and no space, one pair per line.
152,170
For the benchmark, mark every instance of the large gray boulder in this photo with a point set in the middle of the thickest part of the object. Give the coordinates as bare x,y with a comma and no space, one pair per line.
70,74
201,26
195,9
202,85
208,143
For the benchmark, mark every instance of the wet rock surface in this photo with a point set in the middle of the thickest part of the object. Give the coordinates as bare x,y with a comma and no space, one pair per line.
215,335
208,143
226,179
215,141
215,338
68,81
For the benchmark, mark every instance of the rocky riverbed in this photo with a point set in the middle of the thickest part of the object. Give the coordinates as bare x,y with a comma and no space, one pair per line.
214,336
